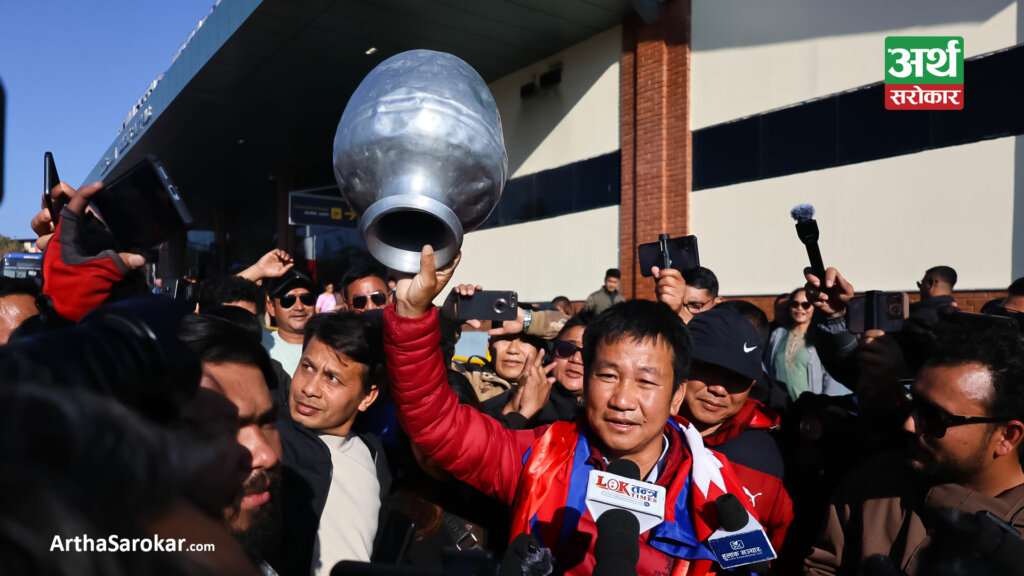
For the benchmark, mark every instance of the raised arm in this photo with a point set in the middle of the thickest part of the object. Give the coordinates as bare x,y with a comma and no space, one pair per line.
472,446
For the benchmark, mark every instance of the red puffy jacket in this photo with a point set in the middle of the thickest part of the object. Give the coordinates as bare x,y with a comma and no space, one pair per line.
745,441
477,449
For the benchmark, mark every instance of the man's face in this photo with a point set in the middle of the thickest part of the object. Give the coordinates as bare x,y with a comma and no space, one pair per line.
292,319
713,395
611,284
629,398
327,390
569,371
929,286
255,429
963,451
367,293
695,301
14,310
509,354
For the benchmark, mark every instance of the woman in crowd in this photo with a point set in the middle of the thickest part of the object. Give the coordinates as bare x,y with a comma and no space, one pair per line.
791,357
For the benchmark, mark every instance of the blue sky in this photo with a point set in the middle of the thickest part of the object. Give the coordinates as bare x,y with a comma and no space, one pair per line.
72,69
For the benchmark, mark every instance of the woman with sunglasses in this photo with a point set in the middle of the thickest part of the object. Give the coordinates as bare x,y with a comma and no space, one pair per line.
565,396
791,357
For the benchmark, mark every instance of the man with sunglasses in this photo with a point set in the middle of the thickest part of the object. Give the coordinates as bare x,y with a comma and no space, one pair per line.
965,424
364,288
291,303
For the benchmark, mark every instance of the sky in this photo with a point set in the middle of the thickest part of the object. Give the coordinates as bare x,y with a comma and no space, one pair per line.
71,70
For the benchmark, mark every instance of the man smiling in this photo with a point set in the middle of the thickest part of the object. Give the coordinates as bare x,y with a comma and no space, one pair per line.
635,359
726,363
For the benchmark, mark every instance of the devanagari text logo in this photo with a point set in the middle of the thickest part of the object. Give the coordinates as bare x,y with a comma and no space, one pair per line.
924,73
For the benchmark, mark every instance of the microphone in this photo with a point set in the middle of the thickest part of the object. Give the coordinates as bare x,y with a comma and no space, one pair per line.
741,539
807,231
619,489
526,557
617,549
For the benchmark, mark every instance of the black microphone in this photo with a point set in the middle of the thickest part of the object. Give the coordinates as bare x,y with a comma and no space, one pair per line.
617,549
741,542
807,231
731,513
526,557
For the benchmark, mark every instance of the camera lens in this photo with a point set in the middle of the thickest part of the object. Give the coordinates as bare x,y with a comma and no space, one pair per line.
500,305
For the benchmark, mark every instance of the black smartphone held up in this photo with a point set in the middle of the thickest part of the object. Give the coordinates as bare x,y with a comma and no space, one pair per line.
141,207
50,183
679,253
487,305
877,310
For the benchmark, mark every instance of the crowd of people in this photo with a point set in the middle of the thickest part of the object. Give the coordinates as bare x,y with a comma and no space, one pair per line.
303,427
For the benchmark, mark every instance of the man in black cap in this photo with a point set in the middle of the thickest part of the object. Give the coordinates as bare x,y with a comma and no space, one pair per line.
726,362
291,303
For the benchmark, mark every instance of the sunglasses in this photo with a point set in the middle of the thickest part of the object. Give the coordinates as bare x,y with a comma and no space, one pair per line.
934,420
288,300
378,298
564,349
805,305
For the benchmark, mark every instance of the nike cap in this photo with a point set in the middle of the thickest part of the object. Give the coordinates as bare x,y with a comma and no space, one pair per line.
725,338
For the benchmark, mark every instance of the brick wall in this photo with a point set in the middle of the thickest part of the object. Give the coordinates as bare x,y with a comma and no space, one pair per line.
655,135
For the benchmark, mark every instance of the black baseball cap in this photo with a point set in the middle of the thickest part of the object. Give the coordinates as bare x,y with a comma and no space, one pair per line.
725,338
291,280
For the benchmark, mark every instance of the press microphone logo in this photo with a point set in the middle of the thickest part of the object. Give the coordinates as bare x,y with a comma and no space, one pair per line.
924,73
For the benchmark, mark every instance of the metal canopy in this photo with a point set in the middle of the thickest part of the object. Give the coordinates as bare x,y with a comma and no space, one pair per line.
261,105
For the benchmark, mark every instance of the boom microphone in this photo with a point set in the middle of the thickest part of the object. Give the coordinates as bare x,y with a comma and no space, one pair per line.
807,231
617,549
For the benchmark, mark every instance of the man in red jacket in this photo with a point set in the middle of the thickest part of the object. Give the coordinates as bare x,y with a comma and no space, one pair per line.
726,363
635,358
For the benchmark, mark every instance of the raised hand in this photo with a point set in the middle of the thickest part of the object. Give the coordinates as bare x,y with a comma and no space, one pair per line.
414,296
833,297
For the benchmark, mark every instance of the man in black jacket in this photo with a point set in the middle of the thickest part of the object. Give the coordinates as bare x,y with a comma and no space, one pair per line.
334,478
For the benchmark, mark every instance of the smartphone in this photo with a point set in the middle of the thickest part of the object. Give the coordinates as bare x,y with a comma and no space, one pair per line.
16,265
679,253
487,305
142,207
877,310
50,183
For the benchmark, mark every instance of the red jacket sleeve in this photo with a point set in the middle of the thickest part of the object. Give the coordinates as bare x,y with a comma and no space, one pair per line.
474,447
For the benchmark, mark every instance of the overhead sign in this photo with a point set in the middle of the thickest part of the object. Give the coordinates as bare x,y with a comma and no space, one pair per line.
305,209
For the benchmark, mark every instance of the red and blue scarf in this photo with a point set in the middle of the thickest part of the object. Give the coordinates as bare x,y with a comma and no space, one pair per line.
551,495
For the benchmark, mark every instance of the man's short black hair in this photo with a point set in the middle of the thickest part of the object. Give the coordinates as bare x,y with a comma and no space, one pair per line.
702,279
1016,288
14,286
999,349
583,319
944,273
225,289
640,320
357,336
362,268
612,273
559,299
216,340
